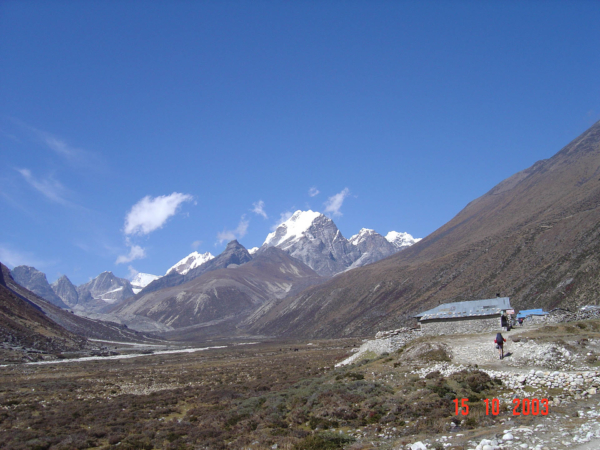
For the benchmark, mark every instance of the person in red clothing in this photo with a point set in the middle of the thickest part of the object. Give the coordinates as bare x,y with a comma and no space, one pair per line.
500,344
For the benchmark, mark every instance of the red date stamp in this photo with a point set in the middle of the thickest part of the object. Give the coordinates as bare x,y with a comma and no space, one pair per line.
525,407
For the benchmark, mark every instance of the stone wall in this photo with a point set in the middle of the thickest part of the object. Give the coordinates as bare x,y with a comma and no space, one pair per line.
464,325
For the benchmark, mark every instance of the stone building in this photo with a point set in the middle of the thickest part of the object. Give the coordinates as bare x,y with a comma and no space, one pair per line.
466,317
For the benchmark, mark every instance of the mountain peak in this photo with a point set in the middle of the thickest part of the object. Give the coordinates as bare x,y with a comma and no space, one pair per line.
293,228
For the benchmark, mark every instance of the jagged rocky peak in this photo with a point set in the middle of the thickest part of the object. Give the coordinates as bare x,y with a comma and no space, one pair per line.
190,262
36,281
66,291
401,240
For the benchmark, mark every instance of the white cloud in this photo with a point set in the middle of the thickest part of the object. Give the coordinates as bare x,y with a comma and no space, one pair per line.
334,203
132,273
49,187
135,252
149,213
196,244
259,208
239,232
313,191
282,218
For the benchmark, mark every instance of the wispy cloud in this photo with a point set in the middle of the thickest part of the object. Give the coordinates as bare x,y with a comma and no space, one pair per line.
334,203
13,258
132,273
259,208
313,191
49,187
196,244
76,156
150,214
135,252
239,232
282,218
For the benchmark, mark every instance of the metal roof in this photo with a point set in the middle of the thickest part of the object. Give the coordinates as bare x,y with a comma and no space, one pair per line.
472,308
531,312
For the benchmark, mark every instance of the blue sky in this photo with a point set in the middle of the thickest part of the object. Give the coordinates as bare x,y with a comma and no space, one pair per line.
132,133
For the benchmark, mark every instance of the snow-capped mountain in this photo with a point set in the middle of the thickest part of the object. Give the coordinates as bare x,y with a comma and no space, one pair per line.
401,240
141,280
372,247
253,250
316,241
190,262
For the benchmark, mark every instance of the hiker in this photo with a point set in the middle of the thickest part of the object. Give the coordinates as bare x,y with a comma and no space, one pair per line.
500,344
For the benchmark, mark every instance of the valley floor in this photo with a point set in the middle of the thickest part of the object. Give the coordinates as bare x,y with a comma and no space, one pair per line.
288,395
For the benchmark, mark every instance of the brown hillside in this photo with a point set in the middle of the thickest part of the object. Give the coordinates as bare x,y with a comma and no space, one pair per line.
535,237
225,296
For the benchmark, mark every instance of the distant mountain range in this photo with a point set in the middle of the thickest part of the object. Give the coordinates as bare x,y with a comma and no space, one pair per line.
311,241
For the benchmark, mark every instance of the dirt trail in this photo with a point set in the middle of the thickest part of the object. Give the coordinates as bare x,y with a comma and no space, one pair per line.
480,350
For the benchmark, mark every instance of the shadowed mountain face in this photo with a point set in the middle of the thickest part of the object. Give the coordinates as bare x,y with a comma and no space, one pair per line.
225,295
234,253
23,324
36,282
535,237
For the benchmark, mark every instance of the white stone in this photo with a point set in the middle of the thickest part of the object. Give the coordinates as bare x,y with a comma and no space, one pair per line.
418,446
508,437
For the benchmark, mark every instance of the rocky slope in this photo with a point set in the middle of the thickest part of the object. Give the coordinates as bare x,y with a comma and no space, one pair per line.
535,237
35,281
226,295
